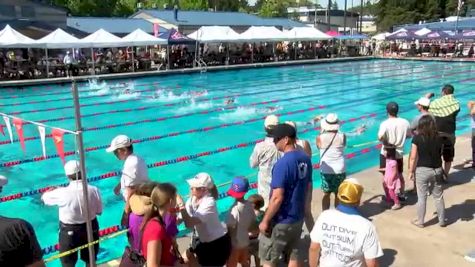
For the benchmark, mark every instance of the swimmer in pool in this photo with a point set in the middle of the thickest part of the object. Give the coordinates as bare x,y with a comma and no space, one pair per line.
315,120
271,109
358,131
229,101
199,93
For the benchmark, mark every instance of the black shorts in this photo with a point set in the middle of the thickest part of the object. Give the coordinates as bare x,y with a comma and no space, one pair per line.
75,235
214,253
448,146
382,164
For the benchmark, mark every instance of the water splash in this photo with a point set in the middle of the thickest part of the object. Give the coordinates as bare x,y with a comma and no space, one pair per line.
241,113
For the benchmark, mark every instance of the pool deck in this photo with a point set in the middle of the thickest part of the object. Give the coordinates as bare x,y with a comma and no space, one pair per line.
405,244
139,74
438,59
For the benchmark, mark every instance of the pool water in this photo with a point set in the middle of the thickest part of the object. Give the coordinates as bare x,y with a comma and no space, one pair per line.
181,124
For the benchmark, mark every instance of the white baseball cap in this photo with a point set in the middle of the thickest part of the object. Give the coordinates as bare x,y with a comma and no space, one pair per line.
271,120
72,167
202,179
330,123
3,180
423,101
119,141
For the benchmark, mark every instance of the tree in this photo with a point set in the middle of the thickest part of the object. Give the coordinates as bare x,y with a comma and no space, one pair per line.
193,4
334,5
274,8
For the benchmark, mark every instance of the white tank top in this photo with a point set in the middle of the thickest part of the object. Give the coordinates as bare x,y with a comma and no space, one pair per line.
333,161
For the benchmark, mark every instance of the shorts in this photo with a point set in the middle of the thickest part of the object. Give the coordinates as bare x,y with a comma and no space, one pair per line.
214,253
382,164
331,182
75,235
283,241
448,146
254,247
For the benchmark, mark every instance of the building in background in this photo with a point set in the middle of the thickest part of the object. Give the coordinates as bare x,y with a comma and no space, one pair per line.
368,25
117,26
318,17
190,21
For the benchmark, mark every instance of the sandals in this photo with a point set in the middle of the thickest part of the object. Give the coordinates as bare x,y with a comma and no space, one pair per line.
415,222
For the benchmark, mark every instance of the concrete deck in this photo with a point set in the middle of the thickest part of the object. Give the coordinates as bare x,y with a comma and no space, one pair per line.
405,244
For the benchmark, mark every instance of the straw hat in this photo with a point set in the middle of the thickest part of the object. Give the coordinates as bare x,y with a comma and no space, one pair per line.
330,123
350,191
140,204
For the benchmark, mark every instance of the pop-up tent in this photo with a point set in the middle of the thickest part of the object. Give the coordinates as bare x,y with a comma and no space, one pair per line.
57,39
214,34
174,37
306,34
11,38
141,38
263,34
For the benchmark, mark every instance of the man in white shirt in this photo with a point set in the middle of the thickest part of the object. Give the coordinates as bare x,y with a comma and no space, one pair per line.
264,156
342,237
72,214
134,171
393,133
68,63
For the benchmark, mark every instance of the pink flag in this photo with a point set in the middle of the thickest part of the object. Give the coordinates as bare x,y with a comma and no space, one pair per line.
156,29
18,123
59,142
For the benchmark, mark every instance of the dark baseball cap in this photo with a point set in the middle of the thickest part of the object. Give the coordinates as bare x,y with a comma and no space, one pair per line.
392,108
283,130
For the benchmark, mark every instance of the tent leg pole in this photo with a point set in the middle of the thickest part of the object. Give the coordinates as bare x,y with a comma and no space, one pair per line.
252,53
168,57
47,63
133,60
93,62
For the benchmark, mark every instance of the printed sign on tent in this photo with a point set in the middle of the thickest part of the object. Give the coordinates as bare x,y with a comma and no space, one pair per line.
42,131
18,123
59,142
9,127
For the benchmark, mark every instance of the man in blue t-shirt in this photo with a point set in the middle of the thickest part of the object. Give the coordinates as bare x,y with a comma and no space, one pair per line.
291,182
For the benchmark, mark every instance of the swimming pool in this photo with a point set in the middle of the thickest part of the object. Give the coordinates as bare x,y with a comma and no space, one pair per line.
179,136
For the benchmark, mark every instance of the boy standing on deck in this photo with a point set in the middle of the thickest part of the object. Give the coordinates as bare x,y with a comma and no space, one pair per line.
471,108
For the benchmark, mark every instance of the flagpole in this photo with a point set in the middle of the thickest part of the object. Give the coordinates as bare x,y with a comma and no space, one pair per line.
459,6
79,140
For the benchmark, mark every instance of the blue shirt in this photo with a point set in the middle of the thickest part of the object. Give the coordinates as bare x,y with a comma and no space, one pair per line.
293,173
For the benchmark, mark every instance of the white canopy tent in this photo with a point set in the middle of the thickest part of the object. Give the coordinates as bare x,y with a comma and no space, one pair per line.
422,31
102,38
215,34
306,34
57,39
11,38
380,36
263,34
141,38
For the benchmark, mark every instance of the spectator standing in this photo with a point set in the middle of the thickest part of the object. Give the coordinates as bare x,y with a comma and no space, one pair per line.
393,133
72,218
283,220
240,221
343,237
18,243
257,202
263,157
331,144
157,243
423,107
471,108
425,167
134,171
211,245
445,110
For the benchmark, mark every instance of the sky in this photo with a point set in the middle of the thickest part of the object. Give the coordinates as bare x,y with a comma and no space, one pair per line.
341,3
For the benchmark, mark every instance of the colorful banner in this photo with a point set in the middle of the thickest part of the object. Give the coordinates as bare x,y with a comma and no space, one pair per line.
42,131
59,143
18,123
9,127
